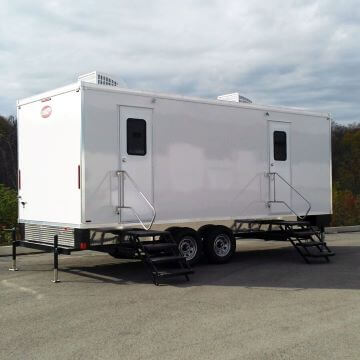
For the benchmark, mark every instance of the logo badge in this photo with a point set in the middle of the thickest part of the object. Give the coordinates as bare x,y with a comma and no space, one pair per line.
46,111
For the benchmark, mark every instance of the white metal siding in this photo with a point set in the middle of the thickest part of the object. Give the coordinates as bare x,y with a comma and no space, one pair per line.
209,161
101,158
49,156
209,158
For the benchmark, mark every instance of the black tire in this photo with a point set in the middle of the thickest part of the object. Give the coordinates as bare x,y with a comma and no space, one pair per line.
219,244
202,231
122,253
189,243
172,230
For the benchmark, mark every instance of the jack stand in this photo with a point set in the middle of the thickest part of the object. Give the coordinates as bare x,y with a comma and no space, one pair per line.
56,260
13,236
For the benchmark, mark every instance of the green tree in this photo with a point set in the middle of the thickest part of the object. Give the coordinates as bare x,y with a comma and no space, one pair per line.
8,151
346,208
8,211
346,157
346,174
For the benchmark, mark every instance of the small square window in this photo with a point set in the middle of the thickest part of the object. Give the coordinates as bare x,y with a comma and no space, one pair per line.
136,136
280,150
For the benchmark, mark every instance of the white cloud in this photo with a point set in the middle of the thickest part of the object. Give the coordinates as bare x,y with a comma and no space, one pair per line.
295,53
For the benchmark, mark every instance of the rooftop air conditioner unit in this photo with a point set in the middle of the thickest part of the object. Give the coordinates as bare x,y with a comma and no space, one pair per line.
99,78
236,97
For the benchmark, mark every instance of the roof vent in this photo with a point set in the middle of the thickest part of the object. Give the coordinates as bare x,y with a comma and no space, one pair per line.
96,77
236,97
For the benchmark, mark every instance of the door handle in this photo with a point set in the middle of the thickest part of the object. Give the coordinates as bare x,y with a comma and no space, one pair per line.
272,164
124,159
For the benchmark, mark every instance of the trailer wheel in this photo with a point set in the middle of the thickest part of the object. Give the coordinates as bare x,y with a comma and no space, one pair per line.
121,253
219,244
172,230
203,230
189,244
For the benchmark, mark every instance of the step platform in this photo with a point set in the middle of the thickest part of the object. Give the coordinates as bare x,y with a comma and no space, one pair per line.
161,254
306,239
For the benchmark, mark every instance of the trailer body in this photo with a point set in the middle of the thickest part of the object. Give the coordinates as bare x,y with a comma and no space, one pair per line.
93,156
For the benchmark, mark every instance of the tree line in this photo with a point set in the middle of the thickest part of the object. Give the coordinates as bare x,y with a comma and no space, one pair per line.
345,171
8,173
346,174
8,151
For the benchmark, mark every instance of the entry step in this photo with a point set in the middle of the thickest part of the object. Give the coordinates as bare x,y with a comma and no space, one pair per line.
303,233
320,254
167,259
311,244
173,273
161,252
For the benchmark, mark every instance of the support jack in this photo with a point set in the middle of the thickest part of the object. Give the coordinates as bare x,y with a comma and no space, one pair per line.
56,260
13,238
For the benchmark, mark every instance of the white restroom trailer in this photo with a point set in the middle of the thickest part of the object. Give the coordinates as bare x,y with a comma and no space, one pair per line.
94,157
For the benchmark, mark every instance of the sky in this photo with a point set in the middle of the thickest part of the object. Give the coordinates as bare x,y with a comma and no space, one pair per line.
295,53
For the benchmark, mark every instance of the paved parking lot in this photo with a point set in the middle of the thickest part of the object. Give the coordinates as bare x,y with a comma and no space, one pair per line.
265,304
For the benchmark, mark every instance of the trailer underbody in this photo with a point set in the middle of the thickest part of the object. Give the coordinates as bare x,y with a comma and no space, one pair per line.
170,253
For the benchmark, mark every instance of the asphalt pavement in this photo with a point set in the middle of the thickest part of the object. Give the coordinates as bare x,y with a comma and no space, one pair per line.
265,304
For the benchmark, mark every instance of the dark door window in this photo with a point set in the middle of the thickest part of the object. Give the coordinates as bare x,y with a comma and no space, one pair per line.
280,152
136,136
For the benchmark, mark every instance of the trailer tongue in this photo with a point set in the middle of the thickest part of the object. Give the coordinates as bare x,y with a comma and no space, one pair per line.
157,249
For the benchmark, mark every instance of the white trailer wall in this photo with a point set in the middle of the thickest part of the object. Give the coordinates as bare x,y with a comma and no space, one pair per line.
49,155
209,159
311,159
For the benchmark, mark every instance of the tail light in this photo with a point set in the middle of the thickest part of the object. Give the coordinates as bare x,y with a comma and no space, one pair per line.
83,245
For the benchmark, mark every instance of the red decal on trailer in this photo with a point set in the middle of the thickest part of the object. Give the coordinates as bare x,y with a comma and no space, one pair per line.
79,177
46,111
19,179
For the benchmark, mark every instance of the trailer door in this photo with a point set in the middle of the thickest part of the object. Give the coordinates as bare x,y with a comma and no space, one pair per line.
279,167
135,180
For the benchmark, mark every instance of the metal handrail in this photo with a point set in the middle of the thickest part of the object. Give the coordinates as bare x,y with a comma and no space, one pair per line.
122,206
284,202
